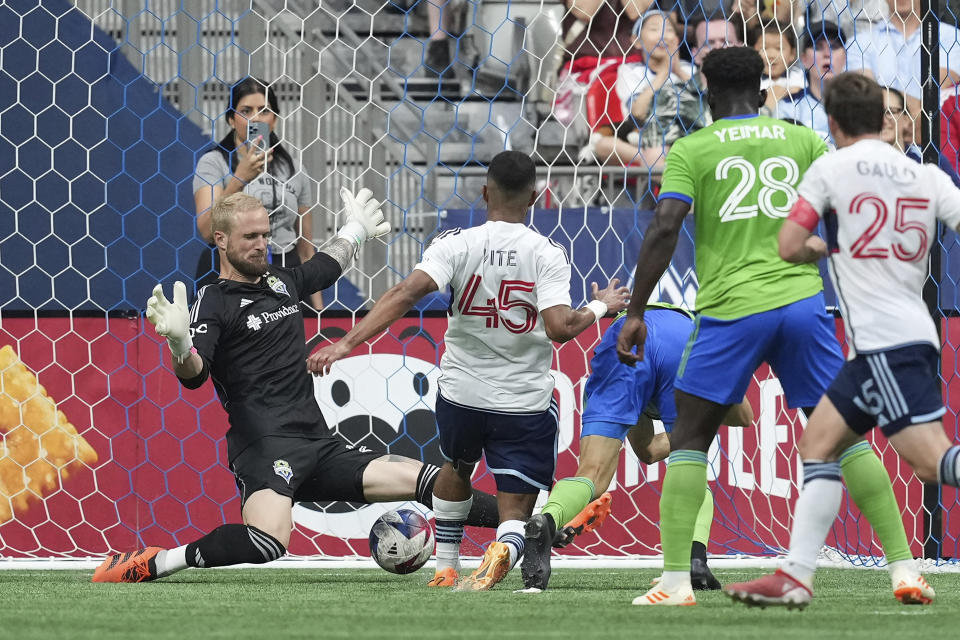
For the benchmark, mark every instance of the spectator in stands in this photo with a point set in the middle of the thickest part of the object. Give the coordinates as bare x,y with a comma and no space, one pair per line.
950,126
447,19
823,56
660,99
853,16
596,39
237,164
898,130
890,52
715,33
777,43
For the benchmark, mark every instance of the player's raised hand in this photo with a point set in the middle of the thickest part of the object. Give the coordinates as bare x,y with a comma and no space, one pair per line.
320,362
633,333
615,297
171,319
364,217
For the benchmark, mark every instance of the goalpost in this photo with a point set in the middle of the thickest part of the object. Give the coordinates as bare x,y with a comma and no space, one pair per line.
105,108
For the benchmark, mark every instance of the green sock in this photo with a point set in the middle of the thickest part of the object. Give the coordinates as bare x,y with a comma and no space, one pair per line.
869,486
683,495
701,530
568,498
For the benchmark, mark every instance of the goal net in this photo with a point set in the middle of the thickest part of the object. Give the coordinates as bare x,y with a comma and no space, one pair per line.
107,108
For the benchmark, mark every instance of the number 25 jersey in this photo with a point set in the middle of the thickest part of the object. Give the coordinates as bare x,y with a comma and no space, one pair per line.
880,209
741,174
502,274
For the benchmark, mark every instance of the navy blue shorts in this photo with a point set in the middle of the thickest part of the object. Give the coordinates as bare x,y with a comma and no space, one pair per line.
890,389
521,448
618,394
797,340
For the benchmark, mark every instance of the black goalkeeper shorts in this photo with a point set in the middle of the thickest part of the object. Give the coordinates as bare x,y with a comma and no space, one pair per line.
307,470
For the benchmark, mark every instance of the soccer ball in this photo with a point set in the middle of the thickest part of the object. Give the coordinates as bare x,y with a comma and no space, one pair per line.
401,541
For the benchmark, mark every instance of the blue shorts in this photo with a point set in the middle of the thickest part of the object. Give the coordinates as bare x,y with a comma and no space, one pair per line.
521,448
798,341
891,389
616,394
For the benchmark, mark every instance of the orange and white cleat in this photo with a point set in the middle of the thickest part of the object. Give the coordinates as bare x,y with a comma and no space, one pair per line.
492,569
591,517
444,578
658,596
778,589
132,566
913,590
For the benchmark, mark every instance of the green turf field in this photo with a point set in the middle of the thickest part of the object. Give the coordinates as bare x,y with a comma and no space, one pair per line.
279,604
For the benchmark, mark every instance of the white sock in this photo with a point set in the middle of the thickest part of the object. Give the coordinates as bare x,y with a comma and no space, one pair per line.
675,580
813,515
170,561
510,533
902,570
450,519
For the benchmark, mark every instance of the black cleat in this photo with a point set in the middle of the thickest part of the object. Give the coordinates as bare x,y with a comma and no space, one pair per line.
535,567
701,577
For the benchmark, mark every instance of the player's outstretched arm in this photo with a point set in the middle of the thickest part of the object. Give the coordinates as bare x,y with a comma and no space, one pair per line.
658,246
563,323
172,321
796,239
388,309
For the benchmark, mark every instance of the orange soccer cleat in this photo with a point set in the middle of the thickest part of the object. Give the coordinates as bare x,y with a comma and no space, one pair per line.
778,589
444,578
492,569
132,566
913,590
591,517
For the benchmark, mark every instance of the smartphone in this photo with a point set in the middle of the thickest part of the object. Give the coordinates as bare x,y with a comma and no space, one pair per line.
255,129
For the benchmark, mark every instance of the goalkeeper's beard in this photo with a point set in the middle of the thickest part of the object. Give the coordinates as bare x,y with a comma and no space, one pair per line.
251,268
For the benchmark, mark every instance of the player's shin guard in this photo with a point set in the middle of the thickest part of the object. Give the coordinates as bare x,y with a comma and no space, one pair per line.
869,486
450,519
231,544
483,511
813,515
683,491
511,534
950,467
567,498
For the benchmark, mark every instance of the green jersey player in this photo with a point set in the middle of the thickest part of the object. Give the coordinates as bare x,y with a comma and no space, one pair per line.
740,175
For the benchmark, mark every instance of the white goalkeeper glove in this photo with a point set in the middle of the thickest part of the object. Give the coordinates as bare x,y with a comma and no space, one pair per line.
172,320
364,217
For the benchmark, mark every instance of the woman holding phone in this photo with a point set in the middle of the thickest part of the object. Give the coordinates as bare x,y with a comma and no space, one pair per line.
251,159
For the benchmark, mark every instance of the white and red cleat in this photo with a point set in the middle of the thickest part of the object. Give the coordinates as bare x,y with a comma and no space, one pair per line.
778,589
658,596
912,589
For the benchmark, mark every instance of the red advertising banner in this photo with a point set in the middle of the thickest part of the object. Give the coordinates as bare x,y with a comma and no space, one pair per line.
103,450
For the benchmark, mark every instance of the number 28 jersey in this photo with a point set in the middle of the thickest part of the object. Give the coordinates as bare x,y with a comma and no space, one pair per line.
741,174
502,274
880,209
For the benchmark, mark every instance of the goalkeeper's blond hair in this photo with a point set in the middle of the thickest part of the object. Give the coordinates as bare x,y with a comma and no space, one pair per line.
225,210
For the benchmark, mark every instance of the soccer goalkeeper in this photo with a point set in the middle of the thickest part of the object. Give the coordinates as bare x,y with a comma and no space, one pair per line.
246,332
620,401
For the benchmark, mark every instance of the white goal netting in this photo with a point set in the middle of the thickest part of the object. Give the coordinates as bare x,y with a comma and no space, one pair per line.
106,109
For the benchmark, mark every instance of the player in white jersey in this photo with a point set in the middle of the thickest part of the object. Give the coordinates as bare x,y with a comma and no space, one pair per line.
880,210
511,297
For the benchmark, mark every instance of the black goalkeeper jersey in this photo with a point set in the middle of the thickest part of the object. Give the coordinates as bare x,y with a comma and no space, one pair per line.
251,339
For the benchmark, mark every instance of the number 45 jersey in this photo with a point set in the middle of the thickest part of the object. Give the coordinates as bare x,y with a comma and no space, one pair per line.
880,210
740,175
502,274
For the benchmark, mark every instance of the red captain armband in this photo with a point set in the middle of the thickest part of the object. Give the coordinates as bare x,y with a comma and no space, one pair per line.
804,215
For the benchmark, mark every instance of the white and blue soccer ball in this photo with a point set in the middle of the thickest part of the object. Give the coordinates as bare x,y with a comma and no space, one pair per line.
401,541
